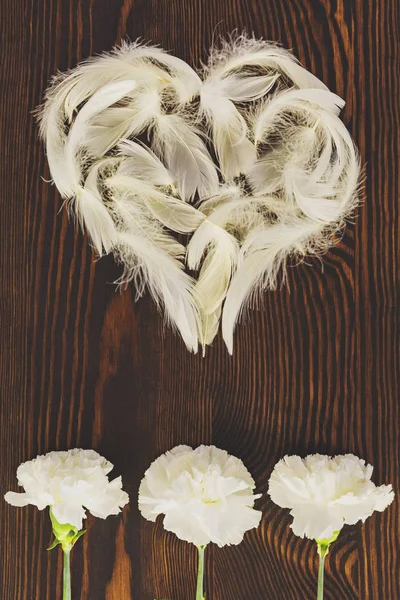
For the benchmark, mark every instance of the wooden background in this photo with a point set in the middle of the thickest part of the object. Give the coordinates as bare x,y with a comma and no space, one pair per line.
315,369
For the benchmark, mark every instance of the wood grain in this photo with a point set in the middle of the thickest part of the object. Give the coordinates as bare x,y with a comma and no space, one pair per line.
316,368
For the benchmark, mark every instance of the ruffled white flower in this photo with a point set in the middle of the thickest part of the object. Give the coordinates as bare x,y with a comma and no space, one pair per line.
325,493
69,482
205,494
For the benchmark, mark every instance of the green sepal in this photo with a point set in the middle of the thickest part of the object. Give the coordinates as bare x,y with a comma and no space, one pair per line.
79,535
323,544
65,534
54,544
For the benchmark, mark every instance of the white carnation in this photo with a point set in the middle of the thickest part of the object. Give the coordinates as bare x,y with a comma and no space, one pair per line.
325,493
69,482
205,494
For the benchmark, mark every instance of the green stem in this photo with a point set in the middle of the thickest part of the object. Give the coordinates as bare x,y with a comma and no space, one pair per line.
321,576
200,574
66,574
323,549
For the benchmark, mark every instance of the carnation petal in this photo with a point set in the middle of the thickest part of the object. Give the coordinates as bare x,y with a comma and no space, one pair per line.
73,514
315,522
226,530
186,526
69,481
18,499
282,487
384,497
110,502
324,493
205,494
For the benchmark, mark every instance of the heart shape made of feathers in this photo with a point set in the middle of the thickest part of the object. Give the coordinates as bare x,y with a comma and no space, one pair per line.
228,171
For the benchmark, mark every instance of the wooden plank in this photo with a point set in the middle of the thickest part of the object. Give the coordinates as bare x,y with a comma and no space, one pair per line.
314,369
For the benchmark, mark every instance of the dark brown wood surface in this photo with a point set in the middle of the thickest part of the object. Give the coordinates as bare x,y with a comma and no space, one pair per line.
314,369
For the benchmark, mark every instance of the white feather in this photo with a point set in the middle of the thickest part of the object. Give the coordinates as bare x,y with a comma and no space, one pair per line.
289,148
102,99
242,53
183,79
245,213
153,267
265,175
237,87
93,215
115,124
66,162
88,78
143,164
302,101
315,165
262,256
151,62
212,237
221,250
53,131
235,211
186,156
68,91
234,150
171,211
147,65
91,212
310,198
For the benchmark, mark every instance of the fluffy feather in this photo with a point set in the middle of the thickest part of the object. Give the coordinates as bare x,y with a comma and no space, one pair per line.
262,256
235,152
171,211
221,249
80,84
118,123
288,171
102,99
245,212
300,101
68,91
186,156
143,164
150,259
183,79
242,53
239,88
93,215
148,65
53,132
265,174
63,152
315,163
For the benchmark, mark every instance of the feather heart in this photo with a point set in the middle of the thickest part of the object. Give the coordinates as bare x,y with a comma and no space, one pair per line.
247,161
